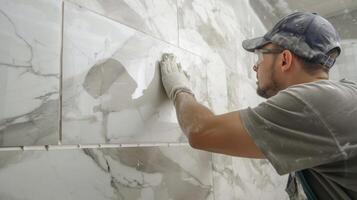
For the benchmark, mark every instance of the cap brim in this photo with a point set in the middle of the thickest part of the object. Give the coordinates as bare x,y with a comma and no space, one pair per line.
255,43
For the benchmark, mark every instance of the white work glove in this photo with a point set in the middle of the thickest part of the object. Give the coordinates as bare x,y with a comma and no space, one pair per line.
173,78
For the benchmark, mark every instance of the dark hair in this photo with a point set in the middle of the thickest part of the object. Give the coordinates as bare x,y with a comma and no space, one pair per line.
311,67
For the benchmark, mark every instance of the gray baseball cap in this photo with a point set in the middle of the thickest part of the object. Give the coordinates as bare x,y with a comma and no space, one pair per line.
308,35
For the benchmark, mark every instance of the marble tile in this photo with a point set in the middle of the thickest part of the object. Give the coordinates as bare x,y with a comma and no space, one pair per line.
217,85
154,17
215,30
30,36
207,28
241,78
223,177
241,92
241,178
112,91
241,82
127,173
345,66
257,179
215,27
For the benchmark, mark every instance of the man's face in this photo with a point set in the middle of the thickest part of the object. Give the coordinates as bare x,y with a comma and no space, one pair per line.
266,67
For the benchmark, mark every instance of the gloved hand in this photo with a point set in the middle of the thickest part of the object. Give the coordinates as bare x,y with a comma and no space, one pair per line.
173,78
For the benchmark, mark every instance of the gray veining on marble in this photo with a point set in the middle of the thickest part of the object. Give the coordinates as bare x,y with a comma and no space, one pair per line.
112,91
154,17
215,30
126,173
206,28
257,179
345,66
217,85
215,27
223,177
30,35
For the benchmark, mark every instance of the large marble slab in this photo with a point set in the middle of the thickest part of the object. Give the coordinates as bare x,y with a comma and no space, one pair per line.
112,91
154,17
156,173
30,37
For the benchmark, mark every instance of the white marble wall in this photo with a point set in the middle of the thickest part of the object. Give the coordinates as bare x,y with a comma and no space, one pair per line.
111,93
112,90
30,36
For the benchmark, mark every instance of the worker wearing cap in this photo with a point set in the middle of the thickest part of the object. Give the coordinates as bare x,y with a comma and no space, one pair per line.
307,127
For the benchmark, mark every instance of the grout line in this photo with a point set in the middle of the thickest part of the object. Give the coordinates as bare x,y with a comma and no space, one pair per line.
212,176
178,25
88,146
61,80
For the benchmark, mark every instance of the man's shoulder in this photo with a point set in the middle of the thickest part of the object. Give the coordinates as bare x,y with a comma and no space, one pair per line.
324,85
324,90
324,96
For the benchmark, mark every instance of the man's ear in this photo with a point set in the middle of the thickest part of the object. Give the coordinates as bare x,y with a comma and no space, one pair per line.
286,60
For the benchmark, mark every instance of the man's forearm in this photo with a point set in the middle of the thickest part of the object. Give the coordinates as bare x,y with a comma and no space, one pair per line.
191,115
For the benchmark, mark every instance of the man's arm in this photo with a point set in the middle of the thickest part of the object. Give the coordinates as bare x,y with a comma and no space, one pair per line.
204,130
216,133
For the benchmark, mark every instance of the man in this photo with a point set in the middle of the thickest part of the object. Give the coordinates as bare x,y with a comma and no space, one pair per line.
307,126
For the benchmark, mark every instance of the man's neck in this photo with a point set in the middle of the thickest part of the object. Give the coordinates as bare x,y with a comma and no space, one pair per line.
307,78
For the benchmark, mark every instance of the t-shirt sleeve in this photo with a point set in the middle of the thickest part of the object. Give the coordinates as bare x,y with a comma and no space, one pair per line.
290,133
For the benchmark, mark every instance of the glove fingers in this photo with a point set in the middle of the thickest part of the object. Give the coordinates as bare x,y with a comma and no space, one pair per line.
164,63
165,56
162,67
179,67
172,63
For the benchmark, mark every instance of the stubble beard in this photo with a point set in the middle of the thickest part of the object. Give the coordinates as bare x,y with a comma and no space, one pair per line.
271,89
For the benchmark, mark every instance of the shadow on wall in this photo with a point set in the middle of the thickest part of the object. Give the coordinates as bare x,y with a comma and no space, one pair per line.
112,74
106,78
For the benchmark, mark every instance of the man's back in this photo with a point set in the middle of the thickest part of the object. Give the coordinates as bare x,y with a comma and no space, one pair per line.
311,126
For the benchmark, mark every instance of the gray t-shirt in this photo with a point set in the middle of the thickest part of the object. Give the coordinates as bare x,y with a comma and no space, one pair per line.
311,127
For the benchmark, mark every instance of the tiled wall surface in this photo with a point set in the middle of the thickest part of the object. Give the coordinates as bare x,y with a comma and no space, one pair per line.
30,35
345,67
86,72
126,173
